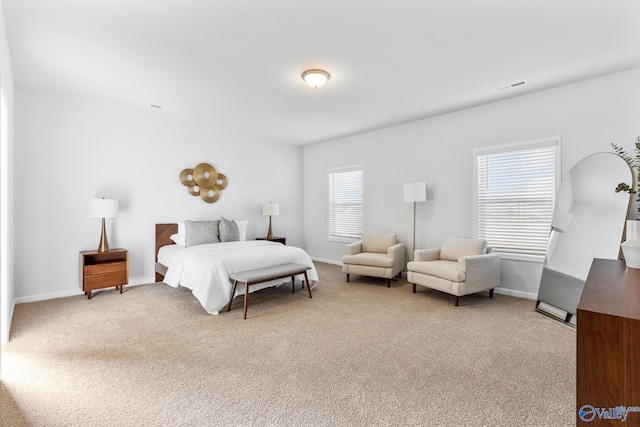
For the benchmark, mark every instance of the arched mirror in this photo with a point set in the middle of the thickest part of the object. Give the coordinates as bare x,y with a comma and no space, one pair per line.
588,222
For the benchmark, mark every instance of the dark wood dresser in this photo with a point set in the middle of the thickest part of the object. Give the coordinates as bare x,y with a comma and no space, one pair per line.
608,346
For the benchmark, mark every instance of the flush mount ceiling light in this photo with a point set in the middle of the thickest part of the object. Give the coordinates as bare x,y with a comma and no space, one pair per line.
315,78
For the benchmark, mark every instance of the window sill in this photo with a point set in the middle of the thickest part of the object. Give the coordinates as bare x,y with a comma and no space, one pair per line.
343,239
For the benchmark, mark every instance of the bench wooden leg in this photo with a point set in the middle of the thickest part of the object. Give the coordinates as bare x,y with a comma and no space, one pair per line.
233,291
306,279
246,299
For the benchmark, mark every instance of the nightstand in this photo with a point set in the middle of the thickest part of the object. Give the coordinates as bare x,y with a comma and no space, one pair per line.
282,240
100,270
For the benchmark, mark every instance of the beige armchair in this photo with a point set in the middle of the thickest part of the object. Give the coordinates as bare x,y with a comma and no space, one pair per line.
460,267
376,255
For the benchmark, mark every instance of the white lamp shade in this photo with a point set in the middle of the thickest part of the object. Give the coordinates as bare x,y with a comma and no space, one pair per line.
415,192
271,209
103,208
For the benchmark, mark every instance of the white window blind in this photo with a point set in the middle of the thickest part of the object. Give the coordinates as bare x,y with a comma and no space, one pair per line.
515,195
345,203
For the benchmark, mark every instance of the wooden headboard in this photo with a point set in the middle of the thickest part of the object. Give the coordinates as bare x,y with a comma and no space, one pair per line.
163,234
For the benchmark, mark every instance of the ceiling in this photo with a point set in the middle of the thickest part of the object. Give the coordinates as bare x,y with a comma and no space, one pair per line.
236,64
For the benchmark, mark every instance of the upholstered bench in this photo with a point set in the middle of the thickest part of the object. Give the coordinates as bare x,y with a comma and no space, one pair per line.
265,274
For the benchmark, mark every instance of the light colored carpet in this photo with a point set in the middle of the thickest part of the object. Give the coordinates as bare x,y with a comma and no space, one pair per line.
356,354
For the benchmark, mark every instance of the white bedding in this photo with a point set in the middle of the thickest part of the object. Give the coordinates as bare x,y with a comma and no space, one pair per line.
166,253
205,269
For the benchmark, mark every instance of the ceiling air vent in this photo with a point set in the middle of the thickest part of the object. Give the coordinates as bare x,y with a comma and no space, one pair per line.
511,86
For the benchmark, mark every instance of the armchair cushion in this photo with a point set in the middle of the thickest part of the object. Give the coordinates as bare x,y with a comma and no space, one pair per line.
449,270
426,254
454,248
377,242
369,258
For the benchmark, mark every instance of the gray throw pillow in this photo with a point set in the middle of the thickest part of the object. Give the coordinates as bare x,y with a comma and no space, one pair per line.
201,232
229,231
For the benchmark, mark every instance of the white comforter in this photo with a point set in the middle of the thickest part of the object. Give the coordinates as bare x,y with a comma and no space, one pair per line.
205,269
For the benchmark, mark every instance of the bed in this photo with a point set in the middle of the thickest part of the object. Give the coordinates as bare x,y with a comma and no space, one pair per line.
205,268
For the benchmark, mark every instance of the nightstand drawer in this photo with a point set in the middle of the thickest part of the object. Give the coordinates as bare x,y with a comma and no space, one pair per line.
105,268
105,280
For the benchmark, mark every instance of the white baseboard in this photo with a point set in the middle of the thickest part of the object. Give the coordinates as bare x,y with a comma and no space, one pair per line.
518,294
72,292
143,281
326,261
52,295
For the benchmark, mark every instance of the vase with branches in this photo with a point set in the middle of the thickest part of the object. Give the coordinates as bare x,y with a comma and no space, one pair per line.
634,164
631,246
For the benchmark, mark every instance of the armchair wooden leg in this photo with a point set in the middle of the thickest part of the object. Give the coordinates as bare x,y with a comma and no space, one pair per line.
414,288
456,300
490,293
388,283
347,277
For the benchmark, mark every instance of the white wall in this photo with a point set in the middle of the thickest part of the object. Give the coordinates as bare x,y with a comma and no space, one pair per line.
70,149
6,79
439,151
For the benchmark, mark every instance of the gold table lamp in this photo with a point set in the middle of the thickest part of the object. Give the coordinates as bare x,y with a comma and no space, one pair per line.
103,208
270,209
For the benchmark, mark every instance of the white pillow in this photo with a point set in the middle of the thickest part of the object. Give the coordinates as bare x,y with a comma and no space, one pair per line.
242,228
181,237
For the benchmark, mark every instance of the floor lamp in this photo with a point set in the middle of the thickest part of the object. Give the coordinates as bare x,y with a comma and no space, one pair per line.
415,192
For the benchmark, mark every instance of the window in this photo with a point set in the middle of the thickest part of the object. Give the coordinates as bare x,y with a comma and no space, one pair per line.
345,203
515,196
